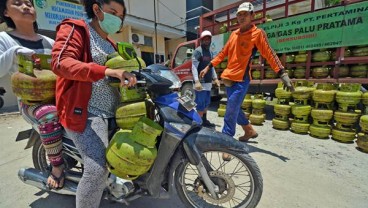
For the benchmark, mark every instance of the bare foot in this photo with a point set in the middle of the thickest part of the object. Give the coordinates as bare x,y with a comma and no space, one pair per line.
56,177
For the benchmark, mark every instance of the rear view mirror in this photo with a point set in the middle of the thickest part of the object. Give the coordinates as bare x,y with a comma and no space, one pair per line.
126,50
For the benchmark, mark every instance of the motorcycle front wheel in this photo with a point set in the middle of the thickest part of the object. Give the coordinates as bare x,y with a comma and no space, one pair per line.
239,181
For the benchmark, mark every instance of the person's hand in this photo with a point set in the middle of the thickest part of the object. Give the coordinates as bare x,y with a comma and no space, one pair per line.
198,86
203,72
217,82
287,82
122,75
25,51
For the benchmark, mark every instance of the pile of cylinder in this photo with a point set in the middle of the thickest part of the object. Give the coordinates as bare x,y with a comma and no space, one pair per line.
324,110
132,150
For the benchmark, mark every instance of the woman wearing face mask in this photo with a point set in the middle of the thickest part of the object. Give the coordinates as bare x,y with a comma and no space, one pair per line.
84,99
20,15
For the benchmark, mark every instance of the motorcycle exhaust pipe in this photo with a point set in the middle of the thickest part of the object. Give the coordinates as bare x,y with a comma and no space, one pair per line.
38,179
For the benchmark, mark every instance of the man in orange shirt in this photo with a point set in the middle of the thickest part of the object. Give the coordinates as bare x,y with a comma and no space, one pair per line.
240,49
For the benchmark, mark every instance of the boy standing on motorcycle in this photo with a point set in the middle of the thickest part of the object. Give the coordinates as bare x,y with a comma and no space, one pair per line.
24,39
240,49
84,98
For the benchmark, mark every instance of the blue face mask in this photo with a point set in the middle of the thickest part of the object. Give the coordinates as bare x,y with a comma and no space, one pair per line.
110,24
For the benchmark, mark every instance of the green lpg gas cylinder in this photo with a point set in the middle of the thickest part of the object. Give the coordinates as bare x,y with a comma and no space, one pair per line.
128,114
127,159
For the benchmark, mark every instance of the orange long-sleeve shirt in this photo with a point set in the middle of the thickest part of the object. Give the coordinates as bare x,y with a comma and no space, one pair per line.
239,49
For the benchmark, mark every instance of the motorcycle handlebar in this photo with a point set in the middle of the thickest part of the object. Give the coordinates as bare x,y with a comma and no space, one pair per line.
117,80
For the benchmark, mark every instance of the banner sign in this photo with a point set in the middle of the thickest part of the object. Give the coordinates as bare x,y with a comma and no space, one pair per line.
329,28
51,12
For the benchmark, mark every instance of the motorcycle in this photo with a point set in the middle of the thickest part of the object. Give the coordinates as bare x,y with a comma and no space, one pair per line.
2,92
189,159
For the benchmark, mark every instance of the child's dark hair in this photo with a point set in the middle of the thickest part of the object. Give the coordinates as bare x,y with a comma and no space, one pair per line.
88,6
9,22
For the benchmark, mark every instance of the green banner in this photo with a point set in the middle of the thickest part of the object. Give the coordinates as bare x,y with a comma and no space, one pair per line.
329,28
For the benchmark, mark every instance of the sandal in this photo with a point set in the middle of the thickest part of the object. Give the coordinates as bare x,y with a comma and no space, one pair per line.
58,180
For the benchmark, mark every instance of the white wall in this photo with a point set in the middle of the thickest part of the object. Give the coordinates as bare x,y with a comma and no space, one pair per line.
172,15
221,3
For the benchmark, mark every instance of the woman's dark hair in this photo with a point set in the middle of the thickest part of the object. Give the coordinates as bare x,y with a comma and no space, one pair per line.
9,22
88,6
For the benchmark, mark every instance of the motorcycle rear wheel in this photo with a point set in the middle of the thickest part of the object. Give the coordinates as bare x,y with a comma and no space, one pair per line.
40,161
39,156
239,180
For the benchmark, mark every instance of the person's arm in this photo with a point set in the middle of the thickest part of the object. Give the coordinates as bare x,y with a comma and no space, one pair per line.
195,62
67,52
214,77
7,59
267,52
8,49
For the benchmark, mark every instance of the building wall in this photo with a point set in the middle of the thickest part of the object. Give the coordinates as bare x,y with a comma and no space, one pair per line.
123,35
194,9
168,12
171,46
221,3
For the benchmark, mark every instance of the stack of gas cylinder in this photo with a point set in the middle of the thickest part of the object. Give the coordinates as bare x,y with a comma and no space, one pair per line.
253,108
132,149
346,116
355,71
222,108
258,116
362,140
300,108
338,119
322,55
301,57
322,113
359,70
325,71
247,105
256,72
282,108
34,83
